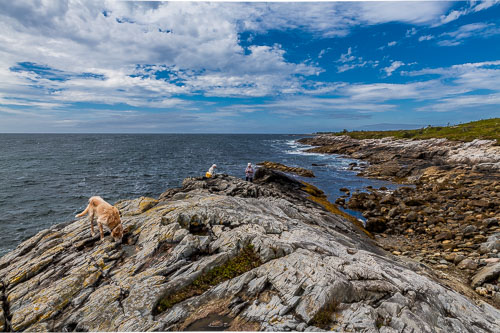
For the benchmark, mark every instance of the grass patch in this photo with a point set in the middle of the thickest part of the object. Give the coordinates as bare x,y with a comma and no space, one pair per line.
246,260
319,197
323,317
481,129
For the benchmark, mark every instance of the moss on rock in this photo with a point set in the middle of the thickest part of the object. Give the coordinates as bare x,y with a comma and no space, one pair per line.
246,260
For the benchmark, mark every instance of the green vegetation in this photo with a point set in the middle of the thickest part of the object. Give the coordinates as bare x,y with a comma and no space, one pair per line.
323,317
481,129
246,260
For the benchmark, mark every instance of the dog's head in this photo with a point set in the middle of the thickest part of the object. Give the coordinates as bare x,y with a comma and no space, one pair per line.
117,233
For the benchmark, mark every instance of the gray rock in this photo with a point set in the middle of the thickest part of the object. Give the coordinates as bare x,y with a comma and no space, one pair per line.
485,274
490,222
458,259
412,216
496,298
468,263
468,230
312,263
491,244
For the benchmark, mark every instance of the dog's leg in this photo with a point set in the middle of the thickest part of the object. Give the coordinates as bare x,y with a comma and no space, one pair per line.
99,223
92,223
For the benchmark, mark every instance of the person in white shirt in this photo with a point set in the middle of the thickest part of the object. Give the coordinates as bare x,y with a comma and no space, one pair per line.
249,172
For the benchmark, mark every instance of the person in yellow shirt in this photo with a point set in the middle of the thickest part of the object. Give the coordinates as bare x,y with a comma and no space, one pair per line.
211,172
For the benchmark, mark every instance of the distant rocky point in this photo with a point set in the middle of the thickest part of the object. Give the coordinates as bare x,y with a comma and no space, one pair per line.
227,254
400,159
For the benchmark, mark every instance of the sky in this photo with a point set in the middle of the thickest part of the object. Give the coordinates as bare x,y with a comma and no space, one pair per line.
219,67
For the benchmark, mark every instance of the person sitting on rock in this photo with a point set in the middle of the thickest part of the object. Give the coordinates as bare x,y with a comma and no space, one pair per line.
249,172
211,172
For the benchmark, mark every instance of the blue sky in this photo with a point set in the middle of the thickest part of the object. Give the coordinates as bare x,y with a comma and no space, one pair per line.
201,67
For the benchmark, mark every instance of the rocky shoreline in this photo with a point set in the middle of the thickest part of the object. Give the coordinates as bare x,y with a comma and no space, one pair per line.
228,254
448,217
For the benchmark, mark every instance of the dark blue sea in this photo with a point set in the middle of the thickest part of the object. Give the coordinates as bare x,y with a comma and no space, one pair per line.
46,179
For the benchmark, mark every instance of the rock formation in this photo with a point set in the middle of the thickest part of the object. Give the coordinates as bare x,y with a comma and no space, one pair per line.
227,253
281,167
448,218
403,159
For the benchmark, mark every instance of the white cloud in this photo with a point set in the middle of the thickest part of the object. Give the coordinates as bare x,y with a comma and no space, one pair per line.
411,32
338,18
473,7
346,67
425,37
201,34
481,5
454,87
448,43
394,65
452,16
341,107
482,30
463,102
347,57
425,12
197,41
200,39
349,61
469,76
323,52
196,46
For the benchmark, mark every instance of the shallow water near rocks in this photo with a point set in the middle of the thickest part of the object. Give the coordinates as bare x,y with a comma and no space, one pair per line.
46,179
212,322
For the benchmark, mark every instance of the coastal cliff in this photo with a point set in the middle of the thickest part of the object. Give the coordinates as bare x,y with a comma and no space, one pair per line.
229,254
405,159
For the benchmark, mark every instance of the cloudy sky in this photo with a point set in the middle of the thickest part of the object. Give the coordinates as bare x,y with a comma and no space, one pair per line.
173,67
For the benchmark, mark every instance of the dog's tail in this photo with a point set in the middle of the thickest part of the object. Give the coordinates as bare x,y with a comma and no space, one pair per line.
84,212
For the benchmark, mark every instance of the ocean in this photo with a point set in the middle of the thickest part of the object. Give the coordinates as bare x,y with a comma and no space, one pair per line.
46,179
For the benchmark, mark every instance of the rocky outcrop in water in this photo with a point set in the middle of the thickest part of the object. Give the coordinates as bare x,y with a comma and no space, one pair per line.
281,167
227,253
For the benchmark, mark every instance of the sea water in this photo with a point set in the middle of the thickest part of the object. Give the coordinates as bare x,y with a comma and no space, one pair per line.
46,179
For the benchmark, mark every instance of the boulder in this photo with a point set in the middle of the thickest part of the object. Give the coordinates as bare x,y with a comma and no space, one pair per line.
485,274
468,263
